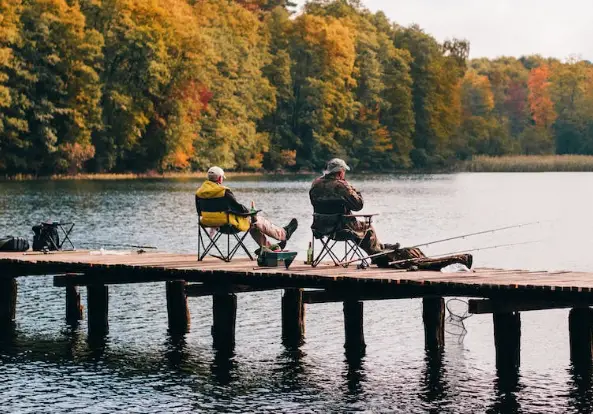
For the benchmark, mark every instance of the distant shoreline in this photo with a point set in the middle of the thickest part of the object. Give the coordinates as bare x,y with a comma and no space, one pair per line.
510,163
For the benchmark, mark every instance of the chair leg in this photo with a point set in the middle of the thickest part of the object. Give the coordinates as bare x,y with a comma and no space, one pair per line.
199,239
326,250
213,244
240,244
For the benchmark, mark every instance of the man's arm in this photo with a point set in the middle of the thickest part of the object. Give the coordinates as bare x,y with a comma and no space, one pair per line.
234,205
352,198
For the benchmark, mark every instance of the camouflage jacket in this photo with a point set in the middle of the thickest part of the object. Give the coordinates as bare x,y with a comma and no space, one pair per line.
333,197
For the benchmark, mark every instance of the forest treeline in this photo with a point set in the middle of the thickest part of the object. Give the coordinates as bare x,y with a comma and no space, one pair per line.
170,85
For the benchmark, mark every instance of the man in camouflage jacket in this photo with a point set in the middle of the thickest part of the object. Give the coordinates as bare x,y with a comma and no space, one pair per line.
332,197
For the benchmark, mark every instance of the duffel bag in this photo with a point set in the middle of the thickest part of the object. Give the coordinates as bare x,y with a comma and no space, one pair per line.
13,244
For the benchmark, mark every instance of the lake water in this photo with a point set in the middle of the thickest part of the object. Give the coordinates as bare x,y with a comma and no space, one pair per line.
46,367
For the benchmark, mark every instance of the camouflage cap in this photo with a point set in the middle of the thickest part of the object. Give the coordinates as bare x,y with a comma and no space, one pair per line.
335,165
214,173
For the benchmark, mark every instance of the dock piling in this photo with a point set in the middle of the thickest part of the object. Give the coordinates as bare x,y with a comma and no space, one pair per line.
507,341
353,326
580,326
177,310
97,310
73,306
293,317
433,316
224,315
8,292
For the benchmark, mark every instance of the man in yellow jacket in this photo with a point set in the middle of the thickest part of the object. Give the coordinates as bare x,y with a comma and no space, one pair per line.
213,201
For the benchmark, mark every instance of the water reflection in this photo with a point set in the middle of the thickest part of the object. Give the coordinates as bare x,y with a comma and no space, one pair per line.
506,387
355,374
433,385
291,368
223,367
175,351
580,391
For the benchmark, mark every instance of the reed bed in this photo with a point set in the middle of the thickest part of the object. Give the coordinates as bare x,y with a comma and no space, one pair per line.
530,163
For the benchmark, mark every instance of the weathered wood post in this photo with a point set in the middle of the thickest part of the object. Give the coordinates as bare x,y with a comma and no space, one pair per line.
177,310
293,317
580,327
8,291
224,314
353,326
98,310
433,316
507,341
73,306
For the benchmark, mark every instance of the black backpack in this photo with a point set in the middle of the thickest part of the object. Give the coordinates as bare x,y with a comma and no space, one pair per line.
43,236
13,244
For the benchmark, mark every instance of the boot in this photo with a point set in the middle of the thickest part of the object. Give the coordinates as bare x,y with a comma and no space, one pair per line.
290,228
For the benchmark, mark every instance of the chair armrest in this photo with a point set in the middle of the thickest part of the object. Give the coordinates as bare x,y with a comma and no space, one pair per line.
250,214
327,215
361,215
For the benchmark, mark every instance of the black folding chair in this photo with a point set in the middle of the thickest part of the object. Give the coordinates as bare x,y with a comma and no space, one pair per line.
47,235
214,235
340,233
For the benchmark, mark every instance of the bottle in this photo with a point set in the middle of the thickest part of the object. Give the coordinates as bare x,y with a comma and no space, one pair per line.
309,254
252,206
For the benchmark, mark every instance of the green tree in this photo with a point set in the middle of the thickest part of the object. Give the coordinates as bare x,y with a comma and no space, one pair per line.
56,67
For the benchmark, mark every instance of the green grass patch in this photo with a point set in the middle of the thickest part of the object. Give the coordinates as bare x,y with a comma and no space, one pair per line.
530,163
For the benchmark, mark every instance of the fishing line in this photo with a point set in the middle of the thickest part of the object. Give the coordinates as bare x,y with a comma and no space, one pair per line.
465,251
444,240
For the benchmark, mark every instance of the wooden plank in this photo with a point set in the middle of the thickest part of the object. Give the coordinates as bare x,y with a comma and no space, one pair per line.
200,289
483,306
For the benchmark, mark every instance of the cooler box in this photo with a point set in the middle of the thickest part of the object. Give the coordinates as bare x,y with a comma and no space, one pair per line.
275,259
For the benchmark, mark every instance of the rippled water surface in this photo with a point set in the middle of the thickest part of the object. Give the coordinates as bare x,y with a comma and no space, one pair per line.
47,367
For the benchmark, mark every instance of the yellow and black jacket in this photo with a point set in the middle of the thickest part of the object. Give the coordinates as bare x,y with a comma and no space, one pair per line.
214,200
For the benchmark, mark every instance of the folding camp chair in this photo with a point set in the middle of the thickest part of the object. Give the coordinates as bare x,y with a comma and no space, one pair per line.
214,235
340,233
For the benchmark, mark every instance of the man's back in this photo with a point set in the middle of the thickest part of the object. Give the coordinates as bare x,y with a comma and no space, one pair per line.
330,195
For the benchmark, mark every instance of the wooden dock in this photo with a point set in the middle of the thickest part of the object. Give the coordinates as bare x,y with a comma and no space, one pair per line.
503,293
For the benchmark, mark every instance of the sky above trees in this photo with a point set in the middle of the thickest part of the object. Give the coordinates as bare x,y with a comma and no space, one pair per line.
550,28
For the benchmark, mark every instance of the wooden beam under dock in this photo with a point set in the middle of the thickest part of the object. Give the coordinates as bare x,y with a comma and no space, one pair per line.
177,310
8,294
293,317
224,315
98,310
482,306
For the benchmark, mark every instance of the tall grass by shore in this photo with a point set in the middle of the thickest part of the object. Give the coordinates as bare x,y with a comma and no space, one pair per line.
510,163
530,163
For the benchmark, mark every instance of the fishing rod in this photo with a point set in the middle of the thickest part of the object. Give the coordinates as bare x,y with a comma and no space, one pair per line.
477,233
119,245
441,241
464,251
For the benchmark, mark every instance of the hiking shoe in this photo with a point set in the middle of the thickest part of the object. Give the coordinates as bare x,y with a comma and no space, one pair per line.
290,228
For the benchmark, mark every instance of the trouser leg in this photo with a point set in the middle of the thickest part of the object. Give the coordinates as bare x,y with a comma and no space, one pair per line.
366,237
264,227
